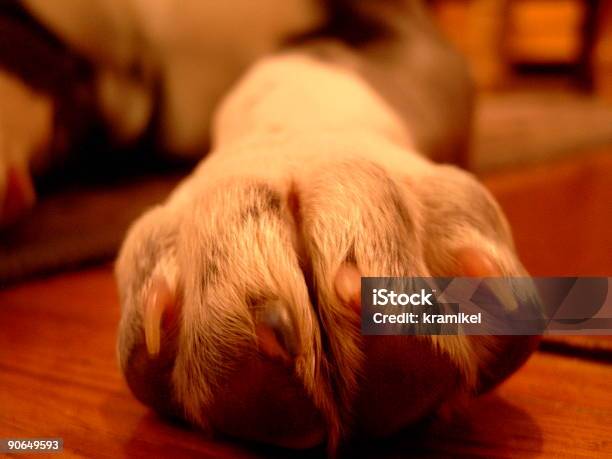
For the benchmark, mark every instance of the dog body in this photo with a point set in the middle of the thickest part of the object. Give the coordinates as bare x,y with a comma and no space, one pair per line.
162,55
240,294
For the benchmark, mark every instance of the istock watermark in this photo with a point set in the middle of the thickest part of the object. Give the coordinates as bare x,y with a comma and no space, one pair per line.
486,306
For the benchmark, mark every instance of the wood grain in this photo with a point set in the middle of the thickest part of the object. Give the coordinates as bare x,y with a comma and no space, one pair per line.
560,214
58,377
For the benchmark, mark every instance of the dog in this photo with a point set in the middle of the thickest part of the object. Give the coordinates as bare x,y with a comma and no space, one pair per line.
333,131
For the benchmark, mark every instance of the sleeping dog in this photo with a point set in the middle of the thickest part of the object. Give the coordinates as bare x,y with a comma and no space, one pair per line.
329,127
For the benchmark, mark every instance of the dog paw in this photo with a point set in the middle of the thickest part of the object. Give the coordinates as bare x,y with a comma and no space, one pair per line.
26,121
217,324
17,193
240,299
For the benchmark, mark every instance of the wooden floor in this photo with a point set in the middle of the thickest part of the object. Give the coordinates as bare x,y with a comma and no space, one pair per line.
59,377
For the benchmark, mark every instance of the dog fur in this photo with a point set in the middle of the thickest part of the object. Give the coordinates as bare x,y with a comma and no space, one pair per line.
235,314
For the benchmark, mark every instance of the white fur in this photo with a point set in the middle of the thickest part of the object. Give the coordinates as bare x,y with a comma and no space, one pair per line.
295,127
193,49
296,123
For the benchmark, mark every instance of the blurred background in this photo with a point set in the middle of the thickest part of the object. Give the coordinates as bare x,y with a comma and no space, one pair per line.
543,133
542,139
562,44
542,143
